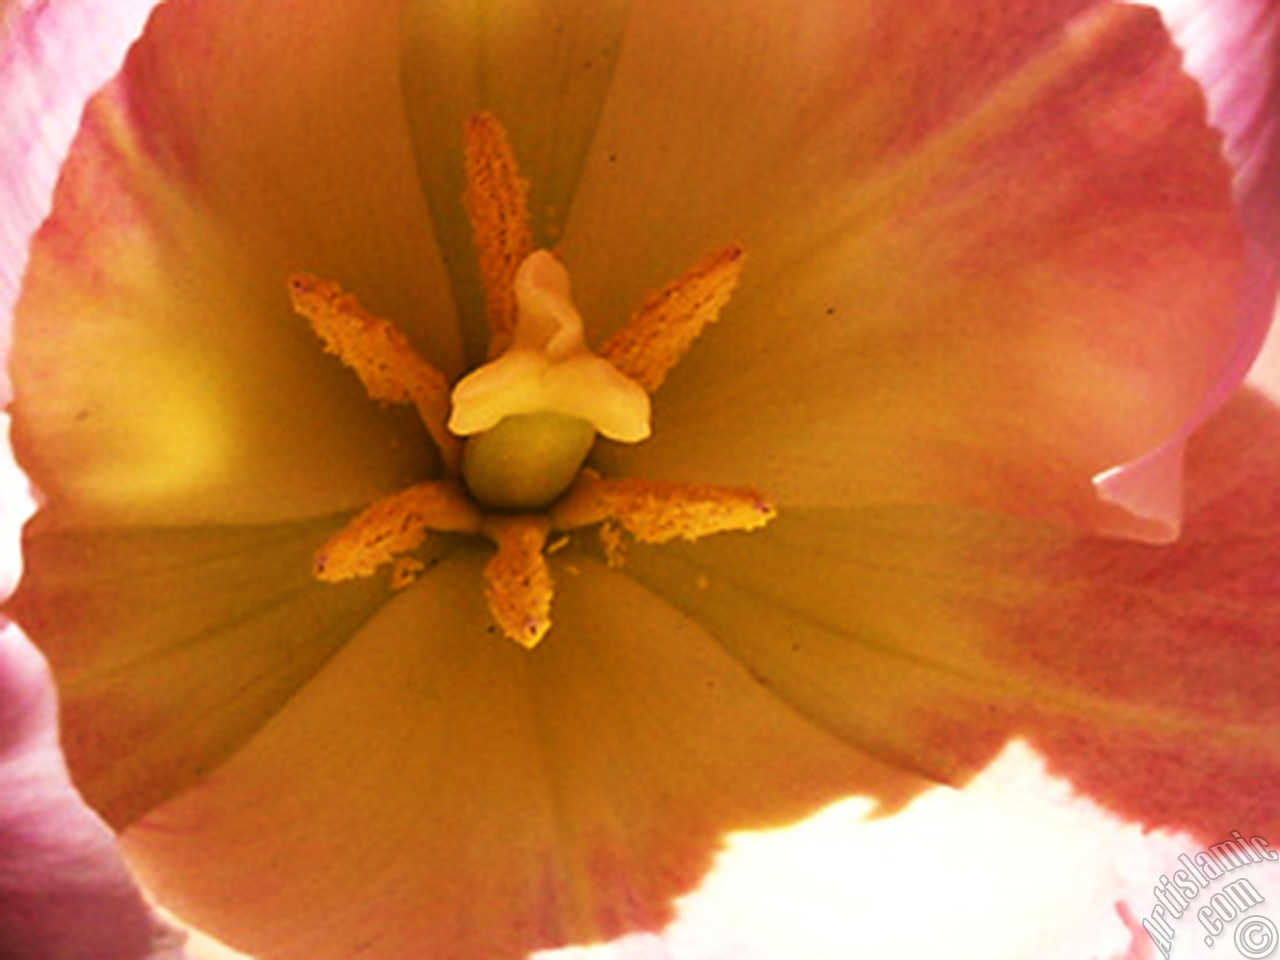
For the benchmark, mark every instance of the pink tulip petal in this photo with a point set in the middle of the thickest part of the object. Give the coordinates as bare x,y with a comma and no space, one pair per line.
1176,643
65,893
981,285
1146,674
52,56
172,647
1233,48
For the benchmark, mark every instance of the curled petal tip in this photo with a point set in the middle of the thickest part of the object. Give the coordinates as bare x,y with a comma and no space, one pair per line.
1149,495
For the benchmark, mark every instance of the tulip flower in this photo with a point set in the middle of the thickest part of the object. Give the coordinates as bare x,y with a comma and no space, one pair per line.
937,294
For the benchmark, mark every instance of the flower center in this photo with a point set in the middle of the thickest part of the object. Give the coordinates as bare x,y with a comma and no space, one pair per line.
529,417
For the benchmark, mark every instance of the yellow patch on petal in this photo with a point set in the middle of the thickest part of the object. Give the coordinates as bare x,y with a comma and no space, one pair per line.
665,326
519,586
392,526
497,206
380,355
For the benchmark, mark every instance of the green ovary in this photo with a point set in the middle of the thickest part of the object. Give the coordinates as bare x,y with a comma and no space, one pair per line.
526,461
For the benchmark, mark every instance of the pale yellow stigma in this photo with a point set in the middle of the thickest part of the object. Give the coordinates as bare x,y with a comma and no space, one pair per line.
530,415
547,367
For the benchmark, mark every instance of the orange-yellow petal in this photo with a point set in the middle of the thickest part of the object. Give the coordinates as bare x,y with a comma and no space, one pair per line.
436,784
993,250
930,637
172,647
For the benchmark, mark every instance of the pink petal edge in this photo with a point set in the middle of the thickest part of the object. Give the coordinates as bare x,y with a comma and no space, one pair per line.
1233,48
65,892
53,55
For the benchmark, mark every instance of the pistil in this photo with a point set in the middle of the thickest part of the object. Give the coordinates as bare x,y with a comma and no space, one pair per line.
526,461
532,414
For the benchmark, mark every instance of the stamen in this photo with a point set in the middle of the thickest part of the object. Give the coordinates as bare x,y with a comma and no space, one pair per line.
496,201
379,354
392,526
659,333
530,414
519,586
655,511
